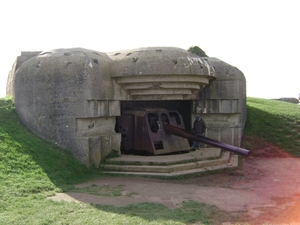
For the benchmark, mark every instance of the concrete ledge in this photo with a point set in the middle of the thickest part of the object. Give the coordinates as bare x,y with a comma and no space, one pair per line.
233,162
193,156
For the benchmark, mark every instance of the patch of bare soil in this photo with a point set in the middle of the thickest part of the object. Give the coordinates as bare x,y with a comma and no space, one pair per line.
266,188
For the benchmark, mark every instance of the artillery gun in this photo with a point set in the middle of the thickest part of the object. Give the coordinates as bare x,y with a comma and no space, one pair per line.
157,131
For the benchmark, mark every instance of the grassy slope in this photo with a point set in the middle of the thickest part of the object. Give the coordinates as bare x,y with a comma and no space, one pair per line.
31,169
275,121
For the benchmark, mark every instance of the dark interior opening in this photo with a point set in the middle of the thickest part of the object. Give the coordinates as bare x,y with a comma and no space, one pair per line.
184,107
153,119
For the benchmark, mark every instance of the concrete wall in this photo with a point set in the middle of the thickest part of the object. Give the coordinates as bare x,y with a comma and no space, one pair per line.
11,76
65,96
223,103
158,74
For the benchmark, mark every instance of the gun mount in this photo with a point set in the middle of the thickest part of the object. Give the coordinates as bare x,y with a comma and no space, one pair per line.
159,131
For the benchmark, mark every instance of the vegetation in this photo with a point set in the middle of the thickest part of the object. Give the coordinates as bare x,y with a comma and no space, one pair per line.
32,169
274,121
197,51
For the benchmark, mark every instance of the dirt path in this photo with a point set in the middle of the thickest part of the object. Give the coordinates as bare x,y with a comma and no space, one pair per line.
267,189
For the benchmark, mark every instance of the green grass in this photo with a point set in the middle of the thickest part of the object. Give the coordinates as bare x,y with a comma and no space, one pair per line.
104,190
274,121
32,169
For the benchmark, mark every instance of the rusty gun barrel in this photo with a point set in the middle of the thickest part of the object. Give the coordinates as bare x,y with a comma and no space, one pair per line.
169,129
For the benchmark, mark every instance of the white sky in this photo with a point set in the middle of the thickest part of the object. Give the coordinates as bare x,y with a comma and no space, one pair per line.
260,37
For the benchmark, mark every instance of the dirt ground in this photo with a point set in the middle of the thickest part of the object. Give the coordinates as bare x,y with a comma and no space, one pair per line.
266,189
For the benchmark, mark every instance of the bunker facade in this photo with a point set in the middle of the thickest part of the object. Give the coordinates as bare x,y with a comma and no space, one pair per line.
73,97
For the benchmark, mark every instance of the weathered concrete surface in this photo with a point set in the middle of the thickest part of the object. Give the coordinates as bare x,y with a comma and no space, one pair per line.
224,101
73,96
65,96
159,74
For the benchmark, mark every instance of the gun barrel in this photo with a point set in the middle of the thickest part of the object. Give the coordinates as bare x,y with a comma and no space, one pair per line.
169,129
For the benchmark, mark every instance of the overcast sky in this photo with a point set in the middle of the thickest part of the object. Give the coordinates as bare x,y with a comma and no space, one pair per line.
259,37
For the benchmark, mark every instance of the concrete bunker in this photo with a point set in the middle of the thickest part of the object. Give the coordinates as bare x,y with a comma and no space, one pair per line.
73,97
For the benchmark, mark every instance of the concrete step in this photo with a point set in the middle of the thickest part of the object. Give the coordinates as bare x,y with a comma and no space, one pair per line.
172,165
192,156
